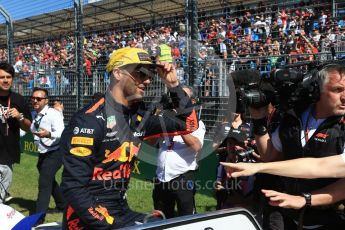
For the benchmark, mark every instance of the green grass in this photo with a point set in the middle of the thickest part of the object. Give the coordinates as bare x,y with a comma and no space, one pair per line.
24,191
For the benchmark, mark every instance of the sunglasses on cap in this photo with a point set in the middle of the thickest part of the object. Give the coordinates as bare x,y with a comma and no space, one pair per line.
37,98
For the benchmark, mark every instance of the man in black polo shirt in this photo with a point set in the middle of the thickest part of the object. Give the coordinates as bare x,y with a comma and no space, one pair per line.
14,115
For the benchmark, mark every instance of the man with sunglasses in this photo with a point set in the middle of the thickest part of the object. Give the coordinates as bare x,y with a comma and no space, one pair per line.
14,115
47,127
102,140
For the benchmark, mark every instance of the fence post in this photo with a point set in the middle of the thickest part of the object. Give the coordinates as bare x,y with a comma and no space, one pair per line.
79,38
192,15
187,34
9,24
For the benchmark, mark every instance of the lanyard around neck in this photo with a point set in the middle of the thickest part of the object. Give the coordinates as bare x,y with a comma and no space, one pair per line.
306,130
8,108
5,115
37,122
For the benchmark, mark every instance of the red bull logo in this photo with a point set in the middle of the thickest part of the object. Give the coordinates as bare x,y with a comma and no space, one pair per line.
104,212
122,154
73,225
114,156
102,174
101,213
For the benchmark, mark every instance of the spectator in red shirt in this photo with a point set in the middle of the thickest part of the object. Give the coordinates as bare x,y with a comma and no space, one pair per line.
88,76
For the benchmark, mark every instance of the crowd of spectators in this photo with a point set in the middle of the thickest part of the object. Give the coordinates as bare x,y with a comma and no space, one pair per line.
266,31
236,33
260,30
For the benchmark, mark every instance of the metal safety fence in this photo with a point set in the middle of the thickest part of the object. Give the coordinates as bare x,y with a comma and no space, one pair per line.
210,82
337,47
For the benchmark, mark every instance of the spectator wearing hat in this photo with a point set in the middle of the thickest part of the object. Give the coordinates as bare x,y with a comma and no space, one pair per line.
259,28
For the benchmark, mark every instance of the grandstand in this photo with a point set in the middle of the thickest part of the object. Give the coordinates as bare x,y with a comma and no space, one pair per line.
261,35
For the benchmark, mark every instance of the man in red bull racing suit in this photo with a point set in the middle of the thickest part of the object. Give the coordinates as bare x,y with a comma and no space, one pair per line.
103,139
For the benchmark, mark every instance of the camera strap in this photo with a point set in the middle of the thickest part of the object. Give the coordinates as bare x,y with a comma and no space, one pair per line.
306,129
311,125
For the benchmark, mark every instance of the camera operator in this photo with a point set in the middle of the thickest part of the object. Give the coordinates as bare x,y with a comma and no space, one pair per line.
232,143
317,131
272,217
235,142
255,91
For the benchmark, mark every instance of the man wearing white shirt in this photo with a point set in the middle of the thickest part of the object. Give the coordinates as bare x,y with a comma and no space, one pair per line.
176,165
47,127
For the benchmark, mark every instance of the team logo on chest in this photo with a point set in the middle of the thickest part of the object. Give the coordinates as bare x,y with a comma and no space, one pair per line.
77,130
321,137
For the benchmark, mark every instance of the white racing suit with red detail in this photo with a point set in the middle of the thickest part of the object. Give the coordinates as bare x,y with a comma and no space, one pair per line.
100,145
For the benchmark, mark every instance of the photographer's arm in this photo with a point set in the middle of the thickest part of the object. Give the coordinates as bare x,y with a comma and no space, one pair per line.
182,119
325,196
266,149
263,141
329,194
308,168
192,142
195,139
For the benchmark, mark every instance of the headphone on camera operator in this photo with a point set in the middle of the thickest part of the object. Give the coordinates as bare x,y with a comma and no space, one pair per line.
308,91
293,90
285,88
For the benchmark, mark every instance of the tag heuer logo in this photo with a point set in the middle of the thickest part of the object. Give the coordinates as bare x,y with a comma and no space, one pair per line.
76,130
